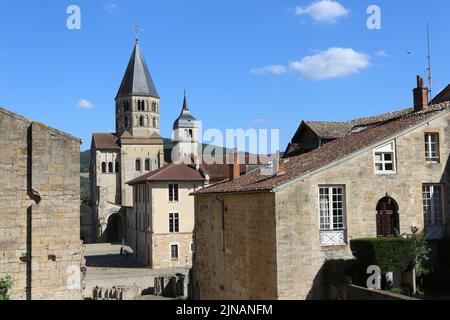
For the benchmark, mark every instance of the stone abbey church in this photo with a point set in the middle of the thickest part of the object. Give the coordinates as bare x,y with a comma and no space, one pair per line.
134,149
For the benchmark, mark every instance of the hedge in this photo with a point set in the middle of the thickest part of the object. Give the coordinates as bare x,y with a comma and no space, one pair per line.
390,254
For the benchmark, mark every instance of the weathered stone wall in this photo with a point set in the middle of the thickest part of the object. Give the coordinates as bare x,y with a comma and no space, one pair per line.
161,250
153,242
245,268
40,243
109,180
352,292
87,225
300,254
155,153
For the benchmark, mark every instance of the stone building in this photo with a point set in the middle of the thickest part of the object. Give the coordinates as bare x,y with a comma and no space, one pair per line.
160,230
259,237
134,149
40,243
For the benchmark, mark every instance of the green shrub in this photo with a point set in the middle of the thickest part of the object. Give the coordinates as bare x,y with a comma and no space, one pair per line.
444,251
5,285
390,254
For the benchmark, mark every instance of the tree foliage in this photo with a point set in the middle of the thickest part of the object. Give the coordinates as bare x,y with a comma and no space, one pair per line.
5,284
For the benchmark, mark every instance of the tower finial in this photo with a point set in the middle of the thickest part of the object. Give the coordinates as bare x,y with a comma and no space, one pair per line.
185,106
137,28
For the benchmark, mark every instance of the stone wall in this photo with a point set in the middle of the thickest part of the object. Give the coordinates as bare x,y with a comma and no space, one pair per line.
273,247
40,243
353,292
300,254
87,225
242,264
161,250
153,242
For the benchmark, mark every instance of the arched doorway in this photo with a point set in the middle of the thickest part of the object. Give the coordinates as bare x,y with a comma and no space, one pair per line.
114,230
388,219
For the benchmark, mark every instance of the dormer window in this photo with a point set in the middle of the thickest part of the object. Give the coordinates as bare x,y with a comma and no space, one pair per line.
384,159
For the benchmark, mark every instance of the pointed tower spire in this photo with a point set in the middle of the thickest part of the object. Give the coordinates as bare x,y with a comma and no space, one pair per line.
137,80
185,105
186,119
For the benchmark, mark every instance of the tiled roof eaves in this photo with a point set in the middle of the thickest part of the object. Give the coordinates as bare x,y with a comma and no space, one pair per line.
356,153
253,183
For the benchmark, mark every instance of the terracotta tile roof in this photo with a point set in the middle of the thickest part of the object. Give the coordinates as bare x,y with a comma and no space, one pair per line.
381,118
329,130
336,150
217,169
106,141
335,130
442,96
170,172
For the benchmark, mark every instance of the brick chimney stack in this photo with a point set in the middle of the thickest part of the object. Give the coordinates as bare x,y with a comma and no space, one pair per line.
235,169
281,167
421,100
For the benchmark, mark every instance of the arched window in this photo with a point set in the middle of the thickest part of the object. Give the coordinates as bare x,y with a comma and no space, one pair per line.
104,167
110,167
126,122
388,219
154,123
141,121
147,165
191,134
138,165
154,107
117,167
186,134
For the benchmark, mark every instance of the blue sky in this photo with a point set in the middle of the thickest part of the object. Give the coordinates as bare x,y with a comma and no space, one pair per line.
264,64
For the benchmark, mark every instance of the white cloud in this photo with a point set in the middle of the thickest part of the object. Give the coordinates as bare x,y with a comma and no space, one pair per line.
257,121
111,7
84,104
273,69
328,64
382,54
324,11
332,63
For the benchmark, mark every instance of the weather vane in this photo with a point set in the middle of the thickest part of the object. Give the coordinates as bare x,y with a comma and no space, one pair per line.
137,28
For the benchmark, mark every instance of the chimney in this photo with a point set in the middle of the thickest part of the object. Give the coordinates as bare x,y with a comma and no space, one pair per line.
235,169
421,100
197,163
281,167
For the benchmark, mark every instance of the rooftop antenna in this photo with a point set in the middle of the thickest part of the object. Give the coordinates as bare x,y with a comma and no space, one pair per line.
430,84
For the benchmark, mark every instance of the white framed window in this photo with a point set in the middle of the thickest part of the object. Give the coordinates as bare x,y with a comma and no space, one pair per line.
433,204
384,159
174,251
174,223
332,215
173,192
432,154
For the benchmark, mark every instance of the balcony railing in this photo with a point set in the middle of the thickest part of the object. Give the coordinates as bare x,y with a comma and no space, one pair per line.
333,237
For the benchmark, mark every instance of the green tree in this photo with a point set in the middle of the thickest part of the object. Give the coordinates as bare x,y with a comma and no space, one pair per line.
5,284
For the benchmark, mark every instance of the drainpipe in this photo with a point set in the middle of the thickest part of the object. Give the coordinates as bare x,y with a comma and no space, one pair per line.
223,222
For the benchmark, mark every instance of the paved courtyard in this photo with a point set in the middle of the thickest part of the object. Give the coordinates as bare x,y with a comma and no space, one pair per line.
107,268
